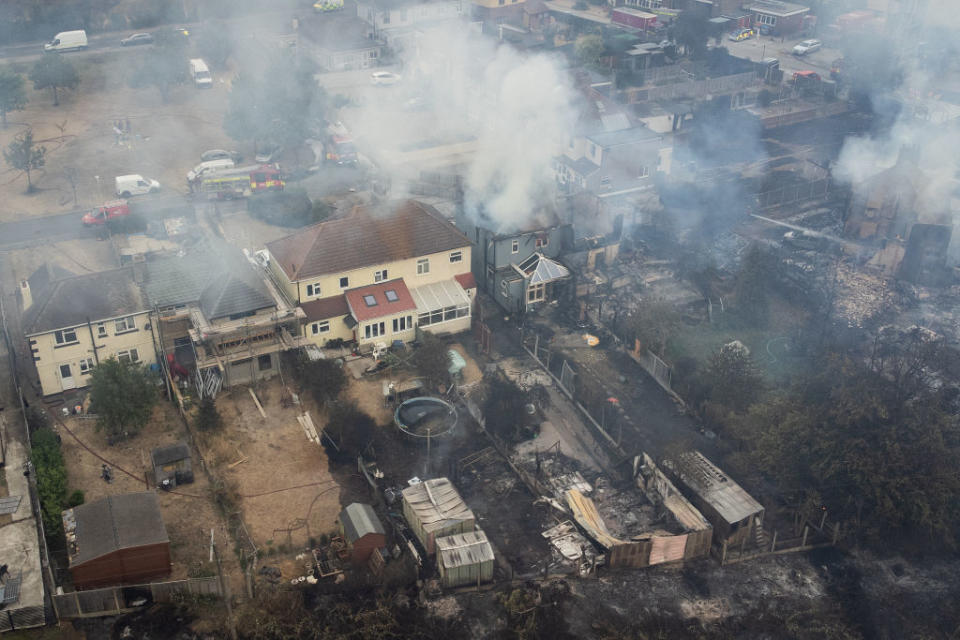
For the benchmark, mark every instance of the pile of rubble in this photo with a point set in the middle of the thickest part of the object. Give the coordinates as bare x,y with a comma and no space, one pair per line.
860,295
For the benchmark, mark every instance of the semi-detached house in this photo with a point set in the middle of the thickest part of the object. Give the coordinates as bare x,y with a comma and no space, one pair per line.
72,323
377,275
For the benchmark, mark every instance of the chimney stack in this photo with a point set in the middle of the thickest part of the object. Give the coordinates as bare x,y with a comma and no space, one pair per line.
26,298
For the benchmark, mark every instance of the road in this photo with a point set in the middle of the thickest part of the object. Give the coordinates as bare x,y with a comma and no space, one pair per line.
66,226
758,48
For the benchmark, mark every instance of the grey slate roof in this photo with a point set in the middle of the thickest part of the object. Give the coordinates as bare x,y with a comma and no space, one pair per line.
221,280
358,520
71,301
170,453
177,280
113,523
238,292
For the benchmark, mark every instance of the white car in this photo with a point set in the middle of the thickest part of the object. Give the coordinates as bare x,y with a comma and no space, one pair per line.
134,185
384,78
807,46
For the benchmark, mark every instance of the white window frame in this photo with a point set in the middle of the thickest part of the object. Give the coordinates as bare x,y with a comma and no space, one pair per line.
380,276
128,355
403,323
423,266
375,330
644,172
344,282
101,330
125,325
456,256
504,289
515,246
536,292
62,337
320,327
540,243
762,18
86,364
313,290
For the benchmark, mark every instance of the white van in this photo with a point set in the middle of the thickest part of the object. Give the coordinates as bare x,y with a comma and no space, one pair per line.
67,41
135,185
200,74
209,167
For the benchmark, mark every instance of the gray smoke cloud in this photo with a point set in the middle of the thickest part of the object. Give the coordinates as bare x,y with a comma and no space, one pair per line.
923,124
505,115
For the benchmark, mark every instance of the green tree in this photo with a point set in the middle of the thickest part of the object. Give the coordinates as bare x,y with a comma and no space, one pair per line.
352,429
122,395
51,473
13,96
751,292
732,377
588,48
208,418
324,379
215,45
692,31
653,323
275,99
24,155
882,460
432,361
504,409
165,65
53,71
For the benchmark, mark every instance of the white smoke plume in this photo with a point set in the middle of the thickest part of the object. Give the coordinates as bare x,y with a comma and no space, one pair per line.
512,113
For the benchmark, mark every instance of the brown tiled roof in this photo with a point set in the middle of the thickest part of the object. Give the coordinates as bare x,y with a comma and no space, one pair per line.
325,308
381,307
365,238
466,280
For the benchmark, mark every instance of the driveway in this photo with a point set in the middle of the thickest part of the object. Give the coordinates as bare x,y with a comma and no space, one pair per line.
758,48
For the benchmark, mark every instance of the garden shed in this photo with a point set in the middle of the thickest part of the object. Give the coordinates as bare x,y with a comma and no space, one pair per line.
433,509
464,559
117,540
363,531
172,463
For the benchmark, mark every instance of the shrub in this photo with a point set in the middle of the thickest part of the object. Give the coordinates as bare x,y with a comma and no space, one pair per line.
51,473
76,499
289,208
208,418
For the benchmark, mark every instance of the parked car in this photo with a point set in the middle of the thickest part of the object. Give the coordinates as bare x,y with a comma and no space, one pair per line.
137,38
268,153
200,74
108,211
181,31
741,34
209,167
807,46
384,78
134,185
220,154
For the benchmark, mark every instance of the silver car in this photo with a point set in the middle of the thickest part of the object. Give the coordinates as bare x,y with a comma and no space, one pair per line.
807,46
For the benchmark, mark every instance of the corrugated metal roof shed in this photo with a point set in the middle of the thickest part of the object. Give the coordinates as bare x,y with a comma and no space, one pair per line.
462,549
359,520
435,503
715,487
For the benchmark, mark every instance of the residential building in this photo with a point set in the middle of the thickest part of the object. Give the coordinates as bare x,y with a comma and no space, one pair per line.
340,42
396,22
377,275
518,268
72,323
784,18
614,162
495,12
220,317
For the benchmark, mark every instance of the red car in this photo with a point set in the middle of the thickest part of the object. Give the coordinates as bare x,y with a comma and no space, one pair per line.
108,211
